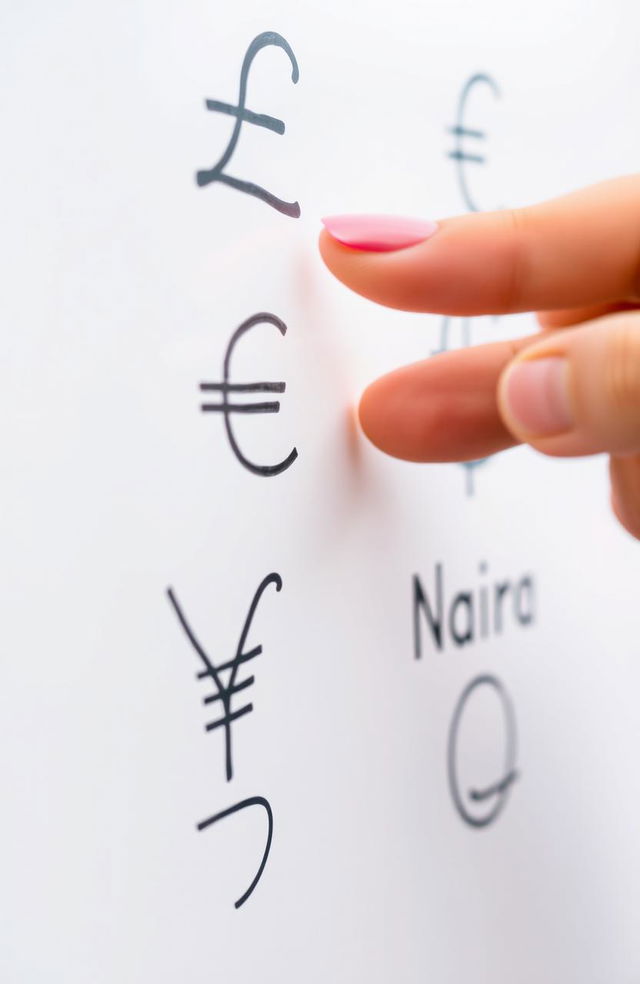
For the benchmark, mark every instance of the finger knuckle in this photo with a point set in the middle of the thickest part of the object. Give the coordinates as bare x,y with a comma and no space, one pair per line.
518,222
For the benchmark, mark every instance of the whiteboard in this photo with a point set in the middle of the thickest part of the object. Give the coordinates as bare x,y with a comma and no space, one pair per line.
437,776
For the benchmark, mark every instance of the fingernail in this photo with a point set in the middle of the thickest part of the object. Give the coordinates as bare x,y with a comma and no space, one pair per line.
536,393
378,233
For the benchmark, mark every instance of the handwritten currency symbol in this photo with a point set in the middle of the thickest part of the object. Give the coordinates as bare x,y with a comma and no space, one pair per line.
244,115
461,130
243,805
225,690
226,408
498,791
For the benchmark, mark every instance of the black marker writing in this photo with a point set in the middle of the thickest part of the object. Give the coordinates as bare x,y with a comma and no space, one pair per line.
472,614
226,408
461,131
225,691
479,795
498,791
244,115
243,805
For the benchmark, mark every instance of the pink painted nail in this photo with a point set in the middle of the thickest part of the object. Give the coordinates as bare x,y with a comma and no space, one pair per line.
378,233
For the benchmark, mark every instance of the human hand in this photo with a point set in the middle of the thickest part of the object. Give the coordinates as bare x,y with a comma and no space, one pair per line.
571,389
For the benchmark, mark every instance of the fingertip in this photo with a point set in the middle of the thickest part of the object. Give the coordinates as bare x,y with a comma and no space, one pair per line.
614,502
326,241
339,259
393,416
362,415
330,248
441,409
379,233
624,472
628,522
374,408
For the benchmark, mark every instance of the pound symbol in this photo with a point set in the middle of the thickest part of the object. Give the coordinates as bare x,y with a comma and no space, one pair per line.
242,115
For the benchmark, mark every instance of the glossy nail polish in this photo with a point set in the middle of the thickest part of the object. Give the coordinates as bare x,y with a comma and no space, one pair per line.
378,233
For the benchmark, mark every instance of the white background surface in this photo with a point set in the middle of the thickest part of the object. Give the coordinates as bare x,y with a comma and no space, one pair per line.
122,283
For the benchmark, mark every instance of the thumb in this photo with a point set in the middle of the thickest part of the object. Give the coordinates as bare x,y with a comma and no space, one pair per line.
578,391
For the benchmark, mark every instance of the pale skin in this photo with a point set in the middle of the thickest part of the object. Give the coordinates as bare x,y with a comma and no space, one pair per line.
575,261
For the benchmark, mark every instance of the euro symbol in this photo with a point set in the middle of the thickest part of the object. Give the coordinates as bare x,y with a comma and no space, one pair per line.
226,408
460,131
499,790
242,115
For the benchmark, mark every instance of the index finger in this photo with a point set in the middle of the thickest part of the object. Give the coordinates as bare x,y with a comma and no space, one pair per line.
578,250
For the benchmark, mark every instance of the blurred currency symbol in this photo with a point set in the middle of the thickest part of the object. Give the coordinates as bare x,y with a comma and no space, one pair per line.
462,132
470,802
462,156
